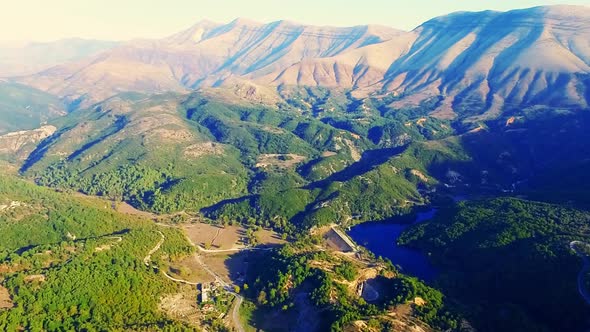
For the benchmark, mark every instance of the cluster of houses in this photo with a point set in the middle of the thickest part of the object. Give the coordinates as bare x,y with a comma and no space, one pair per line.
208,289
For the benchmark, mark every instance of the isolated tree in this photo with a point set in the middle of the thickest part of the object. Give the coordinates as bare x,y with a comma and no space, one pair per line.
261,299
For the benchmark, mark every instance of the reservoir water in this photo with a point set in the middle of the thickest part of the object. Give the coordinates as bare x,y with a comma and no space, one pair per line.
381,239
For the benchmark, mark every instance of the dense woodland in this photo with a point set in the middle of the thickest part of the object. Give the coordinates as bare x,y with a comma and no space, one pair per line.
357,162
58,279
509,262
337,148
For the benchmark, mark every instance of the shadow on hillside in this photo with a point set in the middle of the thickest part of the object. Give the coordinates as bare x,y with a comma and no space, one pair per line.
22,250
246,268
42,149
239,264
369,160
545,157
212,208
118,125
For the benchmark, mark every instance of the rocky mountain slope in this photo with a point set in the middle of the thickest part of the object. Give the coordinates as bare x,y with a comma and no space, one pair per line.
491,61
21,143
206,54
468,63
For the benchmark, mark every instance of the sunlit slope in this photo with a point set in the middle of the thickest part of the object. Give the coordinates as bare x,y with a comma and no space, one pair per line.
468,63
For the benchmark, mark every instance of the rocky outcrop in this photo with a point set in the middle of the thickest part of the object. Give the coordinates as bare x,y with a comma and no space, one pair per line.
18,143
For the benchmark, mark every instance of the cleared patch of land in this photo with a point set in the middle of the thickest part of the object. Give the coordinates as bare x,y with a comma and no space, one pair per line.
267,237
201,149
230,262
190,270
218,264
5,300
279,160
218,237
231,267
125,208
328,153
35,278
181,304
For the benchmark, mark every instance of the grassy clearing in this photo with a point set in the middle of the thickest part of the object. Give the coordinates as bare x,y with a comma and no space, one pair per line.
5,300
215,236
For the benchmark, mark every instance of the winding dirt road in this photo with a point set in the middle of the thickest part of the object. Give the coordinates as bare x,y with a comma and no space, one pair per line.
226,286
180,280
236,313
148,258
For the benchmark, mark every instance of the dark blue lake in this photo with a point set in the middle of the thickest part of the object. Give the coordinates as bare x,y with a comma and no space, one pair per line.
381,239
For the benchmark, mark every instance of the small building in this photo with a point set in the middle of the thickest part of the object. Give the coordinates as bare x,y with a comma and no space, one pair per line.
205,289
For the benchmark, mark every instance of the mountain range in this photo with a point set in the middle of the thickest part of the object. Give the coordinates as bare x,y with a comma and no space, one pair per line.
303,130
470,63
266,108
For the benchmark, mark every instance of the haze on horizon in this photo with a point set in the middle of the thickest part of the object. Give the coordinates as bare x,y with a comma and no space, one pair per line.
40,20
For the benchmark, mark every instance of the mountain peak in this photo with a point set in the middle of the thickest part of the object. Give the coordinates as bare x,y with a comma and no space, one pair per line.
562,8
194,34
568,13
558,16
205,23
244,22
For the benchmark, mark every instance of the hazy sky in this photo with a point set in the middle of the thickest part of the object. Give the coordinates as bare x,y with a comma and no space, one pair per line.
43,20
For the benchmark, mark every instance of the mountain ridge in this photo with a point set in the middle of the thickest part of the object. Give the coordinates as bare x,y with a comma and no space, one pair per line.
485,61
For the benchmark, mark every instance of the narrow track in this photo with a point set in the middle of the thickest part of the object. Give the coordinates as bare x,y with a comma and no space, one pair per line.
226,286
148,258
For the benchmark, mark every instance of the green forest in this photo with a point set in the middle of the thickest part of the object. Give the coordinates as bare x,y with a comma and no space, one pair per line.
504,258
59,280
316,158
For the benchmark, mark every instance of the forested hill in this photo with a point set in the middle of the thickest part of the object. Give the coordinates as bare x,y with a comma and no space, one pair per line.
72,263
509,261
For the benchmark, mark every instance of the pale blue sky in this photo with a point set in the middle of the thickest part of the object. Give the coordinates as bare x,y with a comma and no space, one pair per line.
43,20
